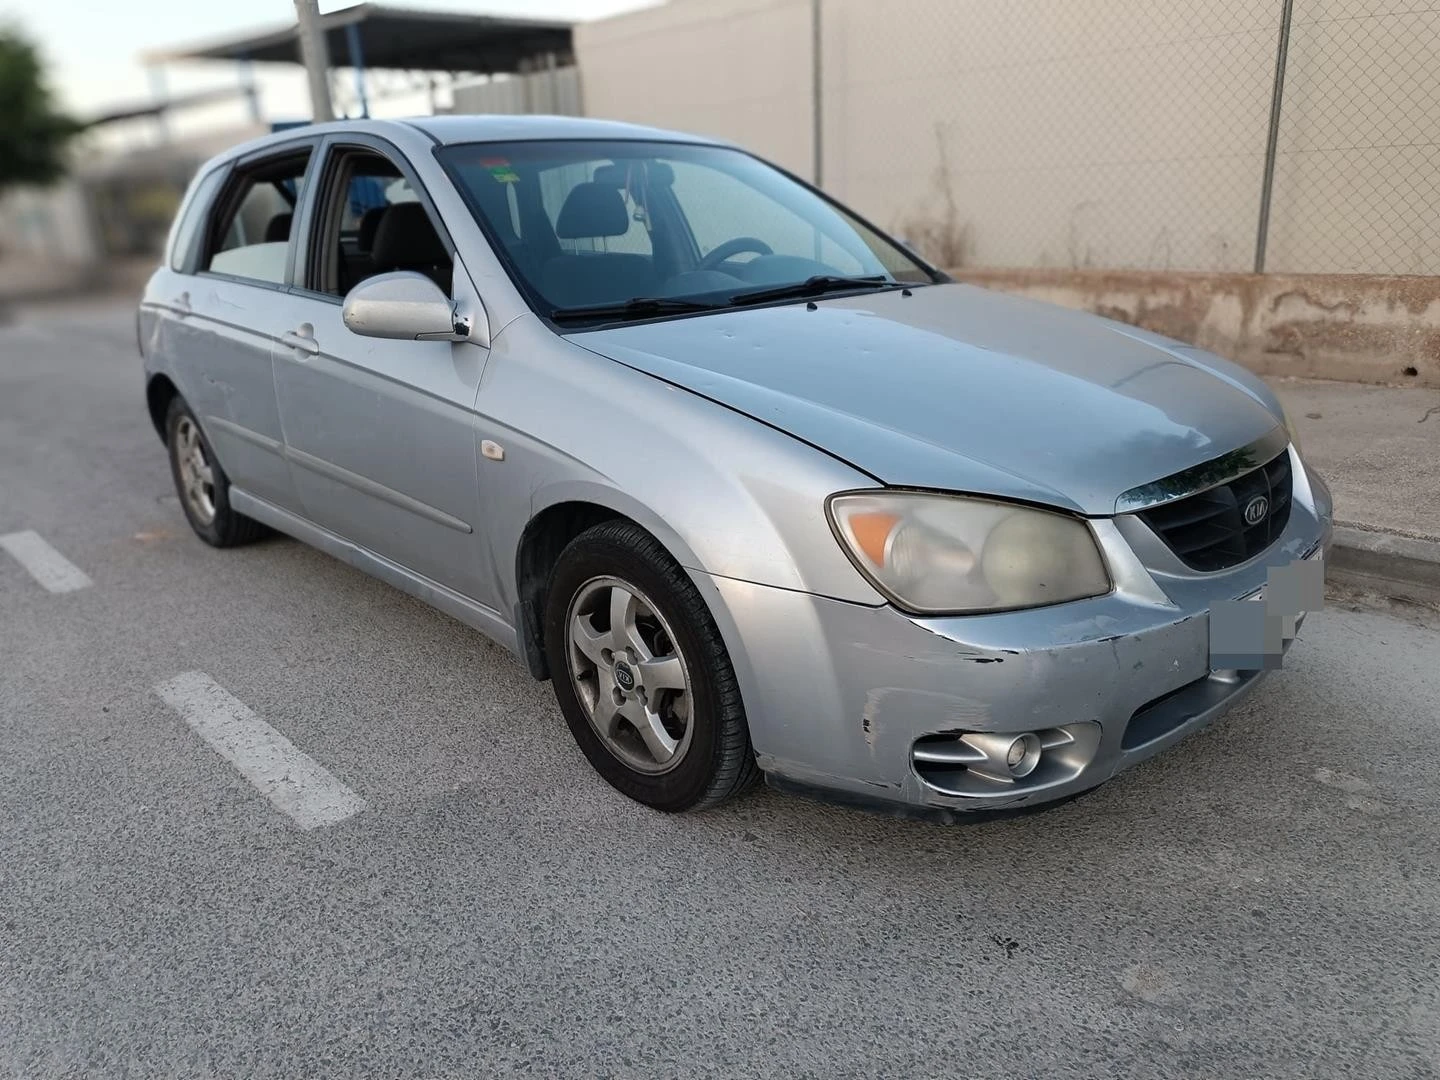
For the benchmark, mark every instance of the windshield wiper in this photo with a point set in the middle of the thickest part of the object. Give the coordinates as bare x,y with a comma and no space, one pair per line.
816,286
639,307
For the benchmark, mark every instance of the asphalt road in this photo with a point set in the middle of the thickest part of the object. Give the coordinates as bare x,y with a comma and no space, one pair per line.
1261,901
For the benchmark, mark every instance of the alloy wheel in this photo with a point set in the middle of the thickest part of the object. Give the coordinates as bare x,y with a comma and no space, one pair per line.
197,478
631,678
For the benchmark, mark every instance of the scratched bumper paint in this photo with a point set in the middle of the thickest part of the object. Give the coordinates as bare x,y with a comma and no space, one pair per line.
837,693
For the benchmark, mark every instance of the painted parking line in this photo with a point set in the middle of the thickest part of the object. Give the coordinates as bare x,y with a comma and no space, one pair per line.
45,564
295,783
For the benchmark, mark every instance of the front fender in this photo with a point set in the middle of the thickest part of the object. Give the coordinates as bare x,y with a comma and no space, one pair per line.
725,494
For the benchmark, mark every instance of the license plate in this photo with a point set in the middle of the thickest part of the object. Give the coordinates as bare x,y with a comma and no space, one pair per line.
1253,632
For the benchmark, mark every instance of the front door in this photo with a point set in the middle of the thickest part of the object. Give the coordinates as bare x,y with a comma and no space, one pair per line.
380,434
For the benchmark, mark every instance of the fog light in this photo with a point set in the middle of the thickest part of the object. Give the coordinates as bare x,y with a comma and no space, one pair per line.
1023,755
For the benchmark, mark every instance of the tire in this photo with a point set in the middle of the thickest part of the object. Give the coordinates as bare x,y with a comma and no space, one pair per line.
204,496
712,758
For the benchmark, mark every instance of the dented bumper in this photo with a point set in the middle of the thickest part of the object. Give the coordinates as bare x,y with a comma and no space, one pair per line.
839,695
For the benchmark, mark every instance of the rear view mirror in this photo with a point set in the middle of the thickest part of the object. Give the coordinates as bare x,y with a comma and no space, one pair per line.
404,305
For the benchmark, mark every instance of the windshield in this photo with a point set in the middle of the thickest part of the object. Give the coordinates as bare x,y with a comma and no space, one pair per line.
596,224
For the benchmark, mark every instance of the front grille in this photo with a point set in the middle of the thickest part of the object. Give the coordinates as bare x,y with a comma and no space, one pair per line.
1208,530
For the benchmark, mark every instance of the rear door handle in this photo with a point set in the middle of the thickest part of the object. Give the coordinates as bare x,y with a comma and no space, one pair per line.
298,339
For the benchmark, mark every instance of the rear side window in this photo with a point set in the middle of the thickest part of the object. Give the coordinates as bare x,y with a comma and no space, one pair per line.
185,240
254,220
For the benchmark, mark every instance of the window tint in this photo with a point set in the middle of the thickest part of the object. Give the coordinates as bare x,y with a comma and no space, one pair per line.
184,240
373,222
253,238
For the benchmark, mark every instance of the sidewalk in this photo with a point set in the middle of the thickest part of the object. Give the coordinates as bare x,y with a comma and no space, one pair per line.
1378,448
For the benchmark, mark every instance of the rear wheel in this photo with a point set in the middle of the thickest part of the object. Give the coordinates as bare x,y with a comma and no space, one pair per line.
201,483
641,673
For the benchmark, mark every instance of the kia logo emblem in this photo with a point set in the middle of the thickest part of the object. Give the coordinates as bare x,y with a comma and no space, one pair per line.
1256,509
625,677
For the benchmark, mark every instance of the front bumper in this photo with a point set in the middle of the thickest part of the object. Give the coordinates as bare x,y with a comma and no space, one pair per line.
839,694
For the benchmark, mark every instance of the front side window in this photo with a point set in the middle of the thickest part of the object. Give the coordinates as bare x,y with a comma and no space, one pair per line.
373,222
255,220
661,227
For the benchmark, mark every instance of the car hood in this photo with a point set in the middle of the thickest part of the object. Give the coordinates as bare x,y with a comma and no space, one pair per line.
962,389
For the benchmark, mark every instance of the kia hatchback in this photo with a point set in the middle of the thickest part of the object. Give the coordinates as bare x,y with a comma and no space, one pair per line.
755,487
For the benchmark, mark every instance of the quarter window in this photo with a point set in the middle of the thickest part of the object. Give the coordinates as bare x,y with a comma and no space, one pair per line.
251,236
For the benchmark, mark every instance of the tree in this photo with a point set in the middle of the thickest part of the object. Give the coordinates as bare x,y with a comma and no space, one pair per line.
33,131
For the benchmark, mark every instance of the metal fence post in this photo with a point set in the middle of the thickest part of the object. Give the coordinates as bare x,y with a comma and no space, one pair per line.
1277,94
817,96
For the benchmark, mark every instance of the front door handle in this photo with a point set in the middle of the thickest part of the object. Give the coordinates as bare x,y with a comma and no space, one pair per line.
302,339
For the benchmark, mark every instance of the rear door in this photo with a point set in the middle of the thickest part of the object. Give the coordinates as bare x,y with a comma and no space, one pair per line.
380,434
230,314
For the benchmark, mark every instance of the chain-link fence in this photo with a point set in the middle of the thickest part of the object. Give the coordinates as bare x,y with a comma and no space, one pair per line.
1290,135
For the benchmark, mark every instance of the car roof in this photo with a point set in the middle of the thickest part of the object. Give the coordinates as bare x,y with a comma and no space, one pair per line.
448,130
475,128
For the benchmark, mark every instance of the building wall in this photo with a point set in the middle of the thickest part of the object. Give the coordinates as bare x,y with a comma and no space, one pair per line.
552,92
1068,133
733,69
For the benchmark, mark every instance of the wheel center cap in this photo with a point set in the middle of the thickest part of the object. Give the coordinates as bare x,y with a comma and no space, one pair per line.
624,677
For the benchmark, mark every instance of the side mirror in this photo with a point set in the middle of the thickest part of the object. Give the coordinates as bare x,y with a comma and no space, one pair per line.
404,305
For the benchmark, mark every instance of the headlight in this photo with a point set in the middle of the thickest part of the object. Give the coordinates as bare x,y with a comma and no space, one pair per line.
936,554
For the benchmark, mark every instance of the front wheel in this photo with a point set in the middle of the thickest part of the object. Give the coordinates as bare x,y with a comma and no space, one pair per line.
642,674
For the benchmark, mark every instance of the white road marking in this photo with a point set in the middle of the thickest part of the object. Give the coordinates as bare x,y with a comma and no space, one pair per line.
295,783
45,564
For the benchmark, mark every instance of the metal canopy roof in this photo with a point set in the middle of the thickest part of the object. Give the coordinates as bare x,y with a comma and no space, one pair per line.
392,37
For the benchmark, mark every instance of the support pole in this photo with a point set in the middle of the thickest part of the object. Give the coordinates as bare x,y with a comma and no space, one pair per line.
160,92
817,96
248,88
357,61
316,57
1277,94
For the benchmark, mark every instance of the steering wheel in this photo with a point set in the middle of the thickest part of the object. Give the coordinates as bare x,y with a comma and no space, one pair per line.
731,248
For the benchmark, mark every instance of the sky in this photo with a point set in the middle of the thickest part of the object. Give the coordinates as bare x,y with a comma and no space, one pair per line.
92,47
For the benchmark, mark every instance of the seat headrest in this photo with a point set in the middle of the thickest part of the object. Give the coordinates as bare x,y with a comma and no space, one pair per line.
369,225
405,238
278,228
591,210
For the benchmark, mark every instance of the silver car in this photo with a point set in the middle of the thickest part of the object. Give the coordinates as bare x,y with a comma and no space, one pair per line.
755,487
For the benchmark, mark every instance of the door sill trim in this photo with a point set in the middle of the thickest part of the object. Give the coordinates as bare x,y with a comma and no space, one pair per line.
458,606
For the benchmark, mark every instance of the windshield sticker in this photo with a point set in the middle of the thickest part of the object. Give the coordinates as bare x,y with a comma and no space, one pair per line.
500,170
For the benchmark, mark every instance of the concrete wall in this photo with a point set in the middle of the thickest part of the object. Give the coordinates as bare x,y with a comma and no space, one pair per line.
553,92
735,69
1068,133
1368,328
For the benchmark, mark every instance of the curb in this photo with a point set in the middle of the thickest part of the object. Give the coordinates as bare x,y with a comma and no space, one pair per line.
1397,566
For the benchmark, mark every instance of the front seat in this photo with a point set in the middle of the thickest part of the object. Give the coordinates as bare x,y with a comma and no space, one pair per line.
369,226
591,211
405,240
